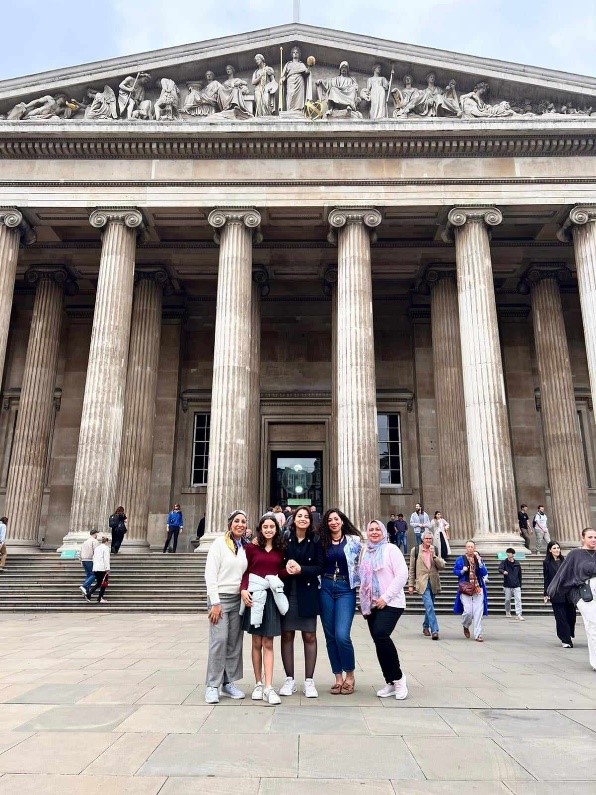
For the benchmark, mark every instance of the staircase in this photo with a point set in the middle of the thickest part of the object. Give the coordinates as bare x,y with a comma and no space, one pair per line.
156,583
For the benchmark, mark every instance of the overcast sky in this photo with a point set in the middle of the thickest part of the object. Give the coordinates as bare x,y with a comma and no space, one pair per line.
46,34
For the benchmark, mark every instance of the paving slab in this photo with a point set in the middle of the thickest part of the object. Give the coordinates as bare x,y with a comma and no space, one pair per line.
549,788
213,786
464,758
47,752
79,718
167,718
406,721
554,759
357,758
14,715
20,784
244,720
166,694
54,694
125,756
277,786
533,723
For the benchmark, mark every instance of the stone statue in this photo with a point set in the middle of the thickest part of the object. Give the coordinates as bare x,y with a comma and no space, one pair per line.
340,93
49,107
430,97
266,86
406,98
449,101
297,81
166,106
474,106
103,104
131,97
375,92
231,95
202,99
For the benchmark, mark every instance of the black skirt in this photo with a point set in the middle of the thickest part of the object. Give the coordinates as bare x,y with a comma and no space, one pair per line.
271,624
293,621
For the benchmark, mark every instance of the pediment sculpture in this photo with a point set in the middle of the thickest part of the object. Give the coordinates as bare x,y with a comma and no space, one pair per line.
302,92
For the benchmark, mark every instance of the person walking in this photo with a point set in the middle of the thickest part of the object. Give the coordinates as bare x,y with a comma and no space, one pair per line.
101,570
174,525
383,574
576,578
88,547
262,591
117,523
391,535
440,530
401,533
540,525
201,529
341,546
563,608
3,550
225,565
316,518
471,601
524,526
424,578
419,522
304,560
511,570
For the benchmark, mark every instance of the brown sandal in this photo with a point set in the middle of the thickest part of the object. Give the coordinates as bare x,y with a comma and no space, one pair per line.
336,689
347,689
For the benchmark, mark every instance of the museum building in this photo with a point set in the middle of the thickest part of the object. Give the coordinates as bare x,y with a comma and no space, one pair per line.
296,265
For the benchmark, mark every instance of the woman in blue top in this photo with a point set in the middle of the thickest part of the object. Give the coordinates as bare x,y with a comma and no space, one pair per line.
341,543
471,599
175,523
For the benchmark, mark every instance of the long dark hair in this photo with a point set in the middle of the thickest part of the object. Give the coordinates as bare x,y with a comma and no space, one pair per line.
549,554
310,531
277,540
347,527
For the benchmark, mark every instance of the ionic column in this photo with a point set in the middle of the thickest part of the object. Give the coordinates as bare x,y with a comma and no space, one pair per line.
494,508
136,456
449,399
260,288
26,476
330,288
357,454
100,438
564,455
229,457
13,229
581,227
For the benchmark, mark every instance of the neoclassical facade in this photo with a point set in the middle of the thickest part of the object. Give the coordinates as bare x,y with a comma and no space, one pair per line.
363,277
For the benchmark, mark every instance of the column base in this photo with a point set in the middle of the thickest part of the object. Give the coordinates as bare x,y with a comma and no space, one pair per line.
73,541
134,545
491,543
22,546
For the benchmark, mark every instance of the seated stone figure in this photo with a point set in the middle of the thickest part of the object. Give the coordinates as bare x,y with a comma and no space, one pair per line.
166,106
473,105
202,97
230,96
340,93
103,104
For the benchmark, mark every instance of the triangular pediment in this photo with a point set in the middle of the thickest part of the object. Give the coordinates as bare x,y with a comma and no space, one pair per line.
525,88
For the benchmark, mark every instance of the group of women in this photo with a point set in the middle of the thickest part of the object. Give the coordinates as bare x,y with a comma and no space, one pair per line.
277,583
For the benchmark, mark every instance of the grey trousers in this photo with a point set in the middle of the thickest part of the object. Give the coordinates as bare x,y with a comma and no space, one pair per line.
516,592
225,644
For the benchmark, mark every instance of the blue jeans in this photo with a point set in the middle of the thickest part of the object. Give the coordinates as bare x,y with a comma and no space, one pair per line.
402,541
338,603
89,576
430,619
418,534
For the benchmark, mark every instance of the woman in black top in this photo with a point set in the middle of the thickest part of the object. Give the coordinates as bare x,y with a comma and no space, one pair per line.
118,528
304,564
563,608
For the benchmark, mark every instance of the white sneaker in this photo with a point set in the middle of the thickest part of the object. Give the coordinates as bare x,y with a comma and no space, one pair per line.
83,590
288,687
507,615
520,618
401,688
309,689
568,646
212,695
257,693
232,691
270,697
388,690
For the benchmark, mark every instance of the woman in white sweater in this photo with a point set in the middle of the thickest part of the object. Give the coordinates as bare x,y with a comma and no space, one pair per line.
226,563
101,569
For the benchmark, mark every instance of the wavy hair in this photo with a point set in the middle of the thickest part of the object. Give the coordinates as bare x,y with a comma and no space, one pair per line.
277,540
347,527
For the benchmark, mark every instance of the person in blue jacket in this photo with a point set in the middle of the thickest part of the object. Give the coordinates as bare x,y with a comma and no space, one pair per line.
471,601
175,523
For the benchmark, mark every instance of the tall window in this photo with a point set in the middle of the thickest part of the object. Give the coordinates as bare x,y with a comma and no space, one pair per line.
390,464
200,449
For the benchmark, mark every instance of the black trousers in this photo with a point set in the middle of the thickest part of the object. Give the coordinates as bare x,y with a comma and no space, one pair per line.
565,616
173,533
99,578
117,539
381,624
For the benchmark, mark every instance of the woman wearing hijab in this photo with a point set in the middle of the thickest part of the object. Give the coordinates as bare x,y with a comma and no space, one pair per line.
563,607
226,563
383,574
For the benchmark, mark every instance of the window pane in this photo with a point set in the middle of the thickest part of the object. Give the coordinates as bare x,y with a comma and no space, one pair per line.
390,464
200,450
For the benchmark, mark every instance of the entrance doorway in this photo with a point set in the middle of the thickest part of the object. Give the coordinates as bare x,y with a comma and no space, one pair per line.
297,478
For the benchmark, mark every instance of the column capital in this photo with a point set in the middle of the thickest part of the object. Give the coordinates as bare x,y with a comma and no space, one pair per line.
580,214
157,275
260,277
543,270
341,216
431,275
459,216
329,279
13,218
247,216
57,274
129,216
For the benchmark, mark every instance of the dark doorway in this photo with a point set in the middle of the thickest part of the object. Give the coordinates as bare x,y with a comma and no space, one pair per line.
297,478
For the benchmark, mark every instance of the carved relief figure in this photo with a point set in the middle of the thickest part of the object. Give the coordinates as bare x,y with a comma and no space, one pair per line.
375,92
341,92
202,100
103,104
296,78
131,97
231,94
473,105
430,98
166,106
265,84
449,102
406,98
49,107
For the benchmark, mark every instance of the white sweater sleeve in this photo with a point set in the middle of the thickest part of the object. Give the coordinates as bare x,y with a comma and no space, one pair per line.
400,571
211,569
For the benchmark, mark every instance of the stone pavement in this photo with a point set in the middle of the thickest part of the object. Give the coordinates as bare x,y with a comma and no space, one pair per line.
113,703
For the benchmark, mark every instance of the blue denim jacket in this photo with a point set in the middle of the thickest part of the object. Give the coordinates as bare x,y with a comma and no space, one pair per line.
352,551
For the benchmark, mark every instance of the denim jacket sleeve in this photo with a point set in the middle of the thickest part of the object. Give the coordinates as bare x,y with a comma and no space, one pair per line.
352,552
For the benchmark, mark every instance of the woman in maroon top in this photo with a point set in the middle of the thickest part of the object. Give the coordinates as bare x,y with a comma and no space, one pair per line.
265,556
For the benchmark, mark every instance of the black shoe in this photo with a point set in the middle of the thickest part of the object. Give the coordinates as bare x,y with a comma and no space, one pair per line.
87,597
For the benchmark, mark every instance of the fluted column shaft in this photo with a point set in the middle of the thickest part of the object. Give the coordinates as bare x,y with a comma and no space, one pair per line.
12,228
449,398
357,454
136,456
254,410
100,438
564,456
26,476
492,482
230,460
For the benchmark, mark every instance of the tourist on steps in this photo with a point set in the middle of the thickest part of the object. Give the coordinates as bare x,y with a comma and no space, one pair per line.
87,549
101,569
174,524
